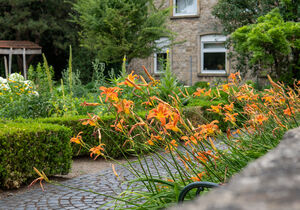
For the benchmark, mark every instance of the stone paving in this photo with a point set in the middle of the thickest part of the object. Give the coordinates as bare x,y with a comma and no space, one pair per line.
104,182
57,197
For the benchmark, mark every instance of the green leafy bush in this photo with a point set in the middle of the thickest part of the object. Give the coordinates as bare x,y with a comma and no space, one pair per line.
27,145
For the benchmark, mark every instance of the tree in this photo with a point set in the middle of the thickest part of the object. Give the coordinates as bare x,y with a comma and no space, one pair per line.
43,22
272,42
114,28
234,14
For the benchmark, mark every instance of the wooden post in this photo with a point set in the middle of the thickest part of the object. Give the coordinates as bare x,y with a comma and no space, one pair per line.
9,62
24,63
6,67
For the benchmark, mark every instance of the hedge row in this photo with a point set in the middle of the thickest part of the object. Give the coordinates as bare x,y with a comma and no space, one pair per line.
110,139
27,145
113,141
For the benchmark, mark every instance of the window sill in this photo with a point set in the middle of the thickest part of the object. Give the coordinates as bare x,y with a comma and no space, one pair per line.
158,74
212,75
184,16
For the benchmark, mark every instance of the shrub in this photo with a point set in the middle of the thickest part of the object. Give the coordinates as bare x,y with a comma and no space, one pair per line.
24,146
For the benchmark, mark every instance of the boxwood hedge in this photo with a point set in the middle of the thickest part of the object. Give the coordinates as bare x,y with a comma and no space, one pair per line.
27,145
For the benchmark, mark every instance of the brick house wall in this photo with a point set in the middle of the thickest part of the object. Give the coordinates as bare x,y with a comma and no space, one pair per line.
189,30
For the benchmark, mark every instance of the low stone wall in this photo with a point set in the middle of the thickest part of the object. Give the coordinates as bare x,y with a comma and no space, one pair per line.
272,182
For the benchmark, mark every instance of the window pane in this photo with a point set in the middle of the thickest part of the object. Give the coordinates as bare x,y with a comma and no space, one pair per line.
214,45
161,61
186,6
214,61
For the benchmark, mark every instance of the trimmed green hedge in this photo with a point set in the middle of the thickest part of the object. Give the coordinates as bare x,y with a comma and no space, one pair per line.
112,140
27,145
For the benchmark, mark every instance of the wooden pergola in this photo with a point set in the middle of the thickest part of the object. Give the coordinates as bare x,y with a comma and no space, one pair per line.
24,48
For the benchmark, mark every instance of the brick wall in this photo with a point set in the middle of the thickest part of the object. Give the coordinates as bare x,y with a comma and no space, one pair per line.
189,31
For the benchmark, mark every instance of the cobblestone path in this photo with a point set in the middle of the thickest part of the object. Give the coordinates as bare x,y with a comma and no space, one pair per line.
104,182
57,197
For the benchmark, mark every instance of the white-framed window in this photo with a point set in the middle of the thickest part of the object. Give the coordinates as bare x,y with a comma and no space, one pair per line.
213,54
185,7
160,57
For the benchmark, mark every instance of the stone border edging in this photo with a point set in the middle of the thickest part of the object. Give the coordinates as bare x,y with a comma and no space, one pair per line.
272,182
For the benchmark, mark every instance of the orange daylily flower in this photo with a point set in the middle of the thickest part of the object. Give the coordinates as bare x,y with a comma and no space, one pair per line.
241,97
77,139
161,112
198,178
118,125
172,125
208,93
150,142
97,151
188,140
268,98
260,119
215,109
230,117
124,106
229,108
233,77
226,87
289,111
199,92
148,103
131,78
92,121
111,93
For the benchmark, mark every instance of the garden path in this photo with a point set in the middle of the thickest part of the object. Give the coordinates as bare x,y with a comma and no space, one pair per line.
104,182
57,197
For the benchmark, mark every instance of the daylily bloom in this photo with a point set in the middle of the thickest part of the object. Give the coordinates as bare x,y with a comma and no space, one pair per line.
215,109
198,178
97,151
161,112
289,111
172,125
118,125
124,106
77,139
229,108
260,119
111,93
92,121
199,92
230,117
131,78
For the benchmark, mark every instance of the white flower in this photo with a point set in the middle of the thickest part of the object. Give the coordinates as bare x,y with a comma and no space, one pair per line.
35,93
4,87
16,77
2,80
28,84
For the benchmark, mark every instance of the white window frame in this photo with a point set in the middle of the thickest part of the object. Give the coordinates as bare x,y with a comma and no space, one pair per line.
213,39
184,14
163,44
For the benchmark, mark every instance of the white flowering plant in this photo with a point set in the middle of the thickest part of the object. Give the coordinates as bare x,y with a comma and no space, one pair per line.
16,85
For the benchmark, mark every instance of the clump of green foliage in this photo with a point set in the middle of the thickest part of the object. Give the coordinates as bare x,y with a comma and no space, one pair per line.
27,145
272,42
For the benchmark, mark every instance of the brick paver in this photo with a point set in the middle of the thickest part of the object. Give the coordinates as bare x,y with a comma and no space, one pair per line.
57,197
